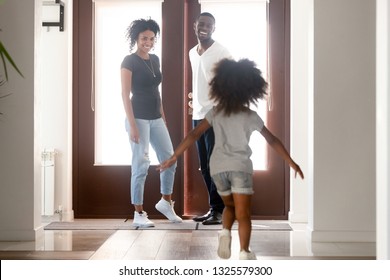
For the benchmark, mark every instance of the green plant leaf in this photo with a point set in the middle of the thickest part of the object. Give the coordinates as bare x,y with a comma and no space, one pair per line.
5,55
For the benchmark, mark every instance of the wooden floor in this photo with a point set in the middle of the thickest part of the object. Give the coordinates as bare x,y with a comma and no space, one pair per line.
175,245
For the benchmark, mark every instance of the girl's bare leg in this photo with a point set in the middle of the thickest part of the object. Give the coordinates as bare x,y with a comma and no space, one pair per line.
228,215
242,204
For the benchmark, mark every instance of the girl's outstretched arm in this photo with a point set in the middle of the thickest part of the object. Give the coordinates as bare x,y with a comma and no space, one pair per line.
277,145
190,139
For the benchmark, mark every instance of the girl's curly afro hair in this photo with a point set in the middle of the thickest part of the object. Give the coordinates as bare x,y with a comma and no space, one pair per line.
236,84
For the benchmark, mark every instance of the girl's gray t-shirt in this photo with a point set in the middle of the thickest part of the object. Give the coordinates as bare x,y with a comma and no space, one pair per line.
232,134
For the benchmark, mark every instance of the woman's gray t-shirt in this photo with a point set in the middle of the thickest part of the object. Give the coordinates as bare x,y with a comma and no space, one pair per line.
146,99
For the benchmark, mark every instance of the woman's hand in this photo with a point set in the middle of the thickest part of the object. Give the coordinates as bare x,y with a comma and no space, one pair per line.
134,134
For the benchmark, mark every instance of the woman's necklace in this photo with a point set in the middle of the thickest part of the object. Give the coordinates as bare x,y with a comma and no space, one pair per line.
151,69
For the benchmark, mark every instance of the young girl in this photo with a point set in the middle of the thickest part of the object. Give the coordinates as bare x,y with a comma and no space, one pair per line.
235,86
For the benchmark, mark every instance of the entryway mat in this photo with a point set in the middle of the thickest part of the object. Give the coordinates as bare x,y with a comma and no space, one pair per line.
120,224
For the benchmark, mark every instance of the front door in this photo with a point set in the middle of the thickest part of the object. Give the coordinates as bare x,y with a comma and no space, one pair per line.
103,191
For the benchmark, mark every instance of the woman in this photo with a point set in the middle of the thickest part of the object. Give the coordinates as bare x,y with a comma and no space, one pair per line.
145,120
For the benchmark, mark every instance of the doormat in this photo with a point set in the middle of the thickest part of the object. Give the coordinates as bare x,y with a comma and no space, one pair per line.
116,224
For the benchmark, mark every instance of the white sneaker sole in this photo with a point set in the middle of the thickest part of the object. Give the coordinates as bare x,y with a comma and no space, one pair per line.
224,251
143,225
248,256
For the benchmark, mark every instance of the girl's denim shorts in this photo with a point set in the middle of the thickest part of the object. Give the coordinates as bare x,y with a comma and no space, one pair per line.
233,182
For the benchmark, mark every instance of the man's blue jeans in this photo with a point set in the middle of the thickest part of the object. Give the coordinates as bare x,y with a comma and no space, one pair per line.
205,145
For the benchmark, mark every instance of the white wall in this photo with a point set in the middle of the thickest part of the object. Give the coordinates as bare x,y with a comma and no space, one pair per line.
36,115
382,125
56,117
301,33
333,116
19,128
344,121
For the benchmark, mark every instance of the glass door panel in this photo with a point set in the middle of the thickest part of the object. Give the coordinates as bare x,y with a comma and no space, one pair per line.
241,26
111,19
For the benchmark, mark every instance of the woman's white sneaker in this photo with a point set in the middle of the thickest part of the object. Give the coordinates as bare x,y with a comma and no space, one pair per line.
141,220
167,210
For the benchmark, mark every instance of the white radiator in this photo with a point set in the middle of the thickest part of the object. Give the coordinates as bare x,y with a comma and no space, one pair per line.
48,182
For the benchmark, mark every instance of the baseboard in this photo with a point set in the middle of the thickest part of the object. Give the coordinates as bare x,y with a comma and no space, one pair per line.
297,217
68,216
21,235
341,236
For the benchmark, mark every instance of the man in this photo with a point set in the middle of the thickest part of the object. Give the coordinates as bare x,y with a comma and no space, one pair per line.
203,58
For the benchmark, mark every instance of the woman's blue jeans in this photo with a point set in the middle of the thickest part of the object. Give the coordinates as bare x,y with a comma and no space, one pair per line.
156,133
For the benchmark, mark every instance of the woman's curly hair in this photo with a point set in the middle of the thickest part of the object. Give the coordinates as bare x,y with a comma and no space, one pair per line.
236,84
138,26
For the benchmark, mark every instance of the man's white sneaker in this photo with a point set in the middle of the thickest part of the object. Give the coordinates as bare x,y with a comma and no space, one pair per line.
244,255
224,243
141,220
167,210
